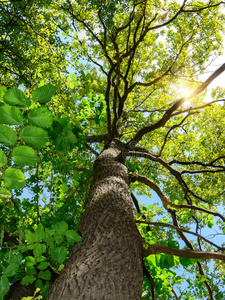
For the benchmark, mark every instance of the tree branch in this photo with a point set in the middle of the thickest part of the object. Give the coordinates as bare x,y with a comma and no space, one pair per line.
180,229
174,172
92,150
135,203
202,8
175,106
167,202
197,108
172,128
96,138
151,280
71,12
188,163
159,248
188,244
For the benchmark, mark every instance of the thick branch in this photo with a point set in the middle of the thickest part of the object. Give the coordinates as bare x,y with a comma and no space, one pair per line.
96,138
158,248
92,150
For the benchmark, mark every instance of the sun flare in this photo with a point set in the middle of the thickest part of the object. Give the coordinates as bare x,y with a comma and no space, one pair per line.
185,92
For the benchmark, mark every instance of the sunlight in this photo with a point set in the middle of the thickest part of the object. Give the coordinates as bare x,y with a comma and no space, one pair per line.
185,92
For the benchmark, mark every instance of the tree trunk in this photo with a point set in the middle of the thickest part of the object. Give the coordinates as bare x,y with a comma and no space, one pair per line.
108,263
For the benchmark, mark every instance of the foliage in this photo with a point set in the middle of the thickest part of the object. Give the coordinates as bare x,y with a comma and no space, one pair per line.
26,146
75,75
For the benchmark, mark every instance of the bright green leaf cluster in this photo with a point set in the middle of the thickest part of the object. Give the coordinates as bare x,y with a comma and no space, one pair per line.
14,131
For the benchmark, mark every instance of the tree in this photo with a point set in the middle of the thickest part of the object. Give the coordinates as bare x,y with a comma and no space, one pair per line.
121,123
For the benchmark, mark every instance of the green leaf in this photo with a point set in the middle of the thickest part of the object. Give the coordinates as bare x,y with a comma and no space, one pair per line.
38,249
3,89
4,286
13,257
210,217
186,261
62,134
7,135
173,244
29,236
29,260
41,117
2,268
39,284
64,141
204,221
201,278
12,269
4,194
14,178
3,158
46,275
178,279
210,224
43,265
62,227
73,237
34,136
44,93
171,273
186,220
28,280
169,261
49,231
24,156
31,270
151,260
58,238
39,233
10,115
157,259
162,259
59,254
16,97
44,287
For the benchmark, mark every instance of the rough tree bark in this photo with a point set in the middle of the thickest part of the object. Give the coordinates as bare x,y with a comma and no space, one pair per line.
108,264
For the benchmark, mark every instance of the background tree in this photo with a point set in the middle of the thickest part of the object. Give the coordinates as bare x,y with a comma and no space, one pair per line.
119,120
